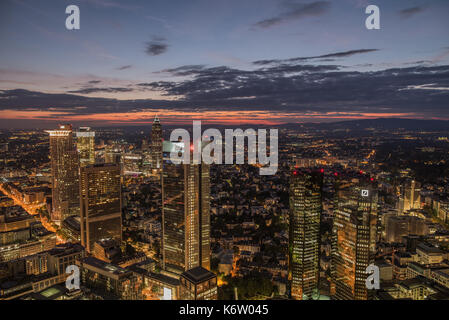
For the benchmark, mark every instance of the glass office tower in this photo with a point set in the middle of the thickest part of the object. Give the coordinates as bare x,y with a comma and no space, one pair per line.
156,144
185,213
304,248
85,144
354,239
65,175
100,201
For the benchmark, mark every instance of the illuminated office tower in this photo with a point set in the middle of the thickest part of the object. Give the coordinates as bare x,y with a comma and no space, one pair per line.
305,215
85,144
354,236
113,154
100,202
131,163
410,196
156,144
64,171
145,147
185,214
147,163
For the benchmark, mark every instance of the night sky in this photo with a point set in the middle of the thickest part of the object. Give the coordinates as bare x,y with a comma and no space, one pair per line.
223,62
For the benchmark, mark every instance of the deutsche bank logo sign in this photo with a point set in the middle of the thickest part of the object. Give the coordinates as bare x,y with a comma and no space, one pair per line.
365,193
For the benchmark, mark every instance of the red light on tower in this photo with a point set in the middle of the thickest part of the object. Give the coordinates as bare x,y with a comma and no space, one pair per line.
322,170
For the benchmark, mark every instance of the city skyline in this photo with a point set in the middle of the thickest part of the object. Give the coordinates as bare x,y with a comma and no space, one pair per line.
134,161
337,206
288,62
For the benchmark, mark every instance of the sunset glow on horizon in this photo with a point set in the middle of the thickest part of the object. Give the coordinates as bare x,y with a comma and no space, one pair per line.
182,117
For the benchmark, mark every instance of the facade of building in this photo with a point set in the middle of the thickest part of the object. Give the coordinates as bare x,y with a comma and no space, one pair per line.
185,214
100,202
62,256
85,145
397,227
198,284
65,176
132,163
112,154
157,285
110,281
410,196
21,235
36,264
305,215
428,254
30,247
354,240
156,144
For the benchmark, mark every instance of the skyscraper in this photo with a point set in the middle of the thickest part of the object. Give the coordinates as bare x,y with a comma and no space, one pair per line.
185,214
65,176
410,196
156,144
305,215
100,201
85,144
113,154
354,236
397,227
147,164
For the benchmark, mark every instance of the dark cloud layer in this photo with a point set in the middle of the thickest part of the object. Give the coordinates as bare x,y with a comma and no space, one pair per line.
409,12
156,46
124,67
330,55
184,70
295,11
292,87
324,88
94,90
